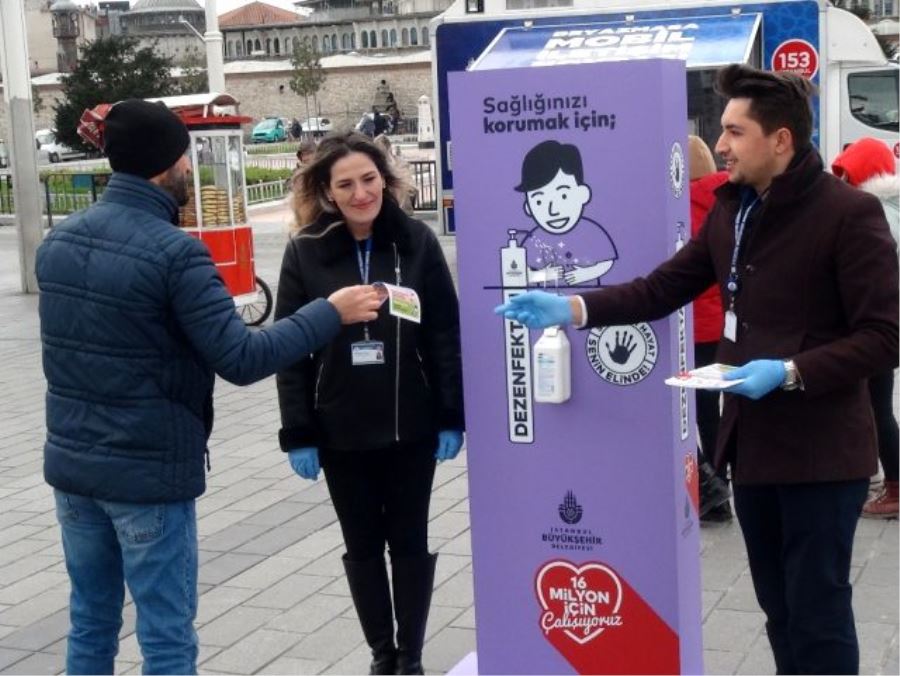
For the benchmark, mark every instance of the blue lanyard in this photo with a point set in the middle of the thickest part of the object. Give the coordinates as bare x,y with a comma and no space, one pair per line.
364,273
364,265
740,224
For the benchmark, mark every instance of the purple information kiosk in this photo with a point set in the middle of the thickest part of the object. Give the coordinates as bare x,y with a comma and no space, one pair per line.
584,513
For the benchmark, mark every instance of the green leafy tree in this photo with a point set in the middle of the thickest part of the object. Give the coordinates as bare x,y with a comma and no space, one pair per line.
193,78
862,12
110,69
888,46
854,7
36,101
307,76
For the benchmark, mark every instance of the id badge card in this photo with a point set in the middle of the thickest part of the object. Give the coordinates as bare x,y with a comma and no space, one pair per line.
367,352
730,326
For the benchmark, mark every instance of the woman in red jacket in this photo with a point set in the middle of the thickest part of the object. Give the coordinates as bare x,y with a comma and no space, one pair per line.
869,165
708,323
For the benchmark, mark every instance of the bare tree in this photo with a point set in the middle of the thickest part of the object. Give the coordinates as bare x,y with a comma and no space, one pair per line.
308,76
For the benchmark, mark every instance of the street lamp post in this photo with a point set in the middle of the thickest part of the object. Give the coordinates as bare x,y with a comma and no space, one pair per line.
26,183
215,62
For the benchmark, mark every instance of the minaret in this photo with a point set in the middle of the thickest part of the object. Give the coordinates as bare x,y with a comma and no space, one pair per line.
66,31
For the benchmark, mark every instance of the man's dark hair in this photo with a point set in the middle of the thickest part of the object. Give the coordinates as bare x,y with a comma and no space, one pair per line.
544,161
776,99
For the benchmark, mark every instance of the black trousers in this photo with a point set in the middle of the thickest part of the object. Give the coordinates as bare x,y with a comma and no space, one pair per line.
707,408
799,541
881,391
382,497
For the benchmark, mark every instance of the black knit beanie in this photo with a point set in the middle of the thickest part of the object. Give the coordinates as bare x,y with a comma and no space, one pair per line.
143,138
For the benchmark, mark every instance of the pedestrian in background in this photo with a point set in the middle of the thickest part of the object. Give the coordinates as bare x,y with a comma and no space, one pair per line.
305,153
366,124
379,123
708,324
383,402
808,271
869,165
135,325
407,197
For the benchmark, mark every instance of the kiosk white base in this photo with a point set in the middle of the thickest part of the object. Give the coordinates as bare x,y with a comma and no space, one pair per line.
467,666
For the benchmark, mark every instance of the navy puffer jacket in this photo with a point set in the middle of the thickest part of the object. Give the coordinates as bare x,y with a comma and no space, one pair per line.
135,323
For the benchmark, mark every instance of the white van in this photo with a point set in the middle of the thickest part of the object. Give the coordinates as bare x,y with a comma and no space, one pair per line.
51,150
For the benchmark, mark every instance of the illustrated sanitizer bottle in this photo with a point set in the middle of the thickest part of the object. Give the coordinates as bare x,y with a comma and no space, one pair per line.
552,367
517,346
513,265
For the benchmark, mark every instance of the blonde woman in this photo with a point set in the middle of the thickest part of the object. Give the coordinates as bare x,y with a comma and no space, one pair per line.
382,403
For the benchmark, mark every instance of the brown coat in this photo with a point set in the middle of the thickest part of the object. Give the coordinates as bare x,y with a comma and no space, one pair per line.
819,285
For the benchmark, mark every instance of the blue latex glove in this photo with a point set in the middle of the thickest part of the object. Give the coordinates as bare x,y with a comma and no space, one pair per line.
537,309
761,377
449,443
305,462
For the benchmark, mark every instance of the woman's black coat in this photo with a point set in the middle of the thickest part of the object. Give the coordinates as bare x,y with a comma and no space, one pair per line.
325,400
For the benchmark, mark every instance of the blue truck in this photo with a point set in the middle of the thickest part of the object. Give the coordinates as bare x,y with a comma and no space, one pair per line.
858,86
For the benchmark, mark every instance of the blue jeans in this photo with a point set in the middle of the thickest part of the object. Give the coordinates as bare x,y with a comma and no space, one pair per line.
152,548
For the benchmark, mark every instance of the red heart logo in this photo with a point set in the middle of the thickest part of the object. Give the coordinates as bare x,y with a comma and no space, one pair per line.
580,601
692,479
599,623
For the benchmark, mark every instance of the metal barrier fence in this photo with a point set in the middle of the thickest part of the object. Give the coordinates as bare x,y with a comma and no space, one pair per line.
426,185
271,148
286,162
407,126
65,193
266,192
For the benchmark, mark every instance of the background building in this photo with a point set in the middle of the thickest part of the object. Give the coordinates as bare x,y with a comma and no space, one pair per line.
165,24
259,30
871,10
43,47
108,17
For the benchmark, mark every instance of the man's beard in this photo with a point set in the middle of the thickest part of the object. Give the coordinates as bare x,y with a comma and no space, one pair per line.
176,184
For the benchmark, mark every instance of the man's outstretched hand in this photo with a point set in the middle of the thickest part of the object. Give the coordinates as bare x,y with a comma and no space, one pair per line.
537,309
356,303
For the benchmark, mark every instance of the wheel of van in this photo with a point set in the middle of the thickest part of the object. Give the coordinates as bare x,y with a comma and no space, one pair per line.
53,157
255,313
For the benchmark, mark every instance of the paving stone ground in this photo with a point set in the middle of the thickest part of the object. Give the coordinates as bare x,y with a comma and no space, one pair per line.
273,597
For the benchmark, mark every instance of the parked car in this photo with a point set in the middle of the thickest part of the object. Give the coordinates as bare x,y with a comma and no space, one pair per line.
317,126
270,130
51,150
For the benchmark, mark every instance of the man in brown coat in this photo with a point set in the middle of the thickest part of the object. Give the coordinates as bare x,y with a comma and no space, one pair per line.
808,274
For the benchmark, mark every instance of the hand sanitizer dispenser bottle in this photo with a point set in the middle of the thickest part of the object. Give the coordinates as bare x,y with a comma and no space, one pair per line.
513,267
552,367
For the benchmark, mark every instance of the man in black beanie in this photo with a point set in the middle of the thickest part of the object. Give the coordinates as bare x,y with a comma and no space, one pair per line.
148,140
135,325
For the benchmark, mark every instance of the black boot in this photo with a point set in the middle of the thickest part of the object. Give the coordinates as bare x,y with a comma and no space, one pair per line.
413,583
714,491
372,598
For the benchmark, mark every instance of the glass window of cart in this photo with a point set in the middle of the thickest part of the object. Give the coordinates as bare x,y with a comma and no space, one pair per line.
235,168
214,194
